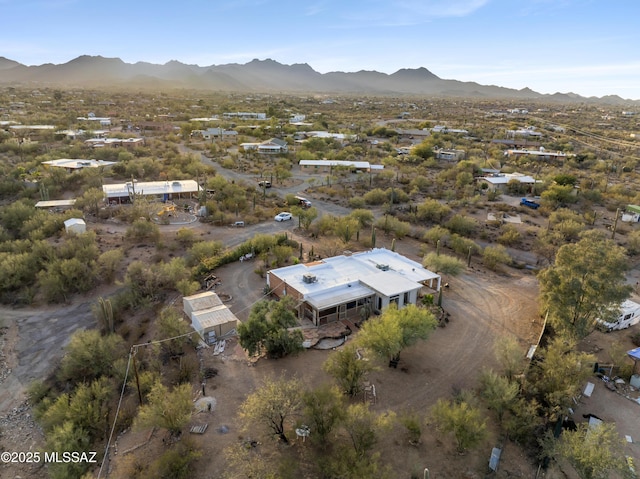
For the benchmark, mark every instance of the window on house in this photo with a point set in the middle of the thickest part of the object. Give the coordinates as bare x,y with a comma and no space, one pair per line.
405,300
394,299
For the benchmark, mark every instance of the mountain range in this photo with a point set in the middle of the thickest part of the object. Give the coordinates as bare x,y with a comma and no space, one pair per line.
260,76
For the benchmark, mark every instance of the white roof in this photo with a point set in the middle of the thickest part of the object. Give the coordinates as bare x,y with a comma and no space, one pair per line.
77,163
54,203
353,164
202,301
504,179
74,221
343,278
151,188
536,153
389,285
339,294
206,319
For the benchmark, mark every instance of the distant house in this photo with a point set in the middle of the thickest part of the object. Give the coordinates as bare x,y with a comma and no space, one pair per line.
115,142
445,129
163,190
273,146
540,154
76,164
499,181
340,287
216,133
449,154
528,132
325,166
243,115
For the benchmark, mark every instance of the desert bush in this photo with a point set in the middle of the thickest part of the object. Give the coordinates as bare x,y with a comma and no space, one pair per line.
462,225
494,256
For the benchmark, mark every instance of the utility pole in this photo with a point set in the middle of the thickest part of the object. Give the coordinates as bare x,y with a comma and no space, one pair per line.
135,370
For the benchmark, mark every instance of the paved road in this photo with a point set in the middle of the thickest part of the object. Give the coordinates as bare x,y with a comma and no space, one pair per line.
42,335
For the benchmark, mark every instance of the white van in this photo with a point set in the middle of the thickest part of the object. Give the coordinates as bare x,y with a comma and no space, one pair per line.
629,315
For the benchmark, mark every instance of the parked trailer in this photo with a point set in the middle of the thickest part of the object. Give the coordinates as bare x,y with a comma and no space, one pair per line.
629,315
529,203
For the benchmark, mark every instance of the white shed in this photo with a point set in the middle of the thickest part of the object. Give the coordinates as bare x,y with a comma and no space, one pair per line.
75,225
209,317
200,301
214,322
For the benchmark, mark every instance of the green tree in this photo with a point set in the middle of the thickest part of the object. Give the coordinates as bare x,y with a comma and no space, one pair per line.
586,282
498,392
324,408
167,409
558,377
348,369
396,329
272,406
108,263
91,200
593,451
306,216
90,355
510,356
267,329
462,420
176,463
171,325
68,437
363,427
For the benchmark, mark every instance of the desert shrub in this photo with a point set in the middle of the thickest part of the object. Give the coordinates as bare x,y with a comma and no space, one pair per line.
493,256
462,225
357,202
376,196
390,224
435,234
433,211
143,230
509,236
462,245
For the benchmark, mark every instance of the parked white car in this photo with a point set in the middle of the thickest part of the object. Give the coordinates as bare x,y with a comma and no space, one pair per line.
284,216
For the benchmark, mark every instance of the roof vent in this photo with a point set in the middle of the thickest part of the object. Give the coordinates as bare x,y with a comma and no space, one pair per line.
309,278
383,267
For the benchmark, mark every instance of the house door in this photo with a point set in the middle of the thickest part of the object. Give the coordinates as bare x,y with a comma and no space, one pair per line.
342,312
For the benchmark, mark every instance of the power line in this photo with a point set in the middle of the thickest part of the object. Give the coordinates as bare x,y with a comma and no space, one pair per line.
134,350
115,419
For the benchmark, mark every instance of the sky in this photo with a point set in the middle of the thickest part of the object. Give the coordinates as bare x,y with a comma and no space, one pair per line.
588,47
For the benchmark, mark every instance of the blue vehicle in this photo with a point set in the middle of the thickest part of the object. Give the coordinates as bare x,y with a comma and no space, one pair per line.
529,203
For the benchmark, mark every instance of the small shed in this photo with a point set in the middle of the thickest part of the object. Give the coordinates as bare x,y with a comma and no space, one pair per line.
209,316
200,301
214,322
75,225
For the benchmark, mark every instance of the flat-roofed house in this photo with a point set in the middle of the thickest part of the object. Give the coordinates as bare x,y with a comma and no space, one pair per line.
164,190
339,287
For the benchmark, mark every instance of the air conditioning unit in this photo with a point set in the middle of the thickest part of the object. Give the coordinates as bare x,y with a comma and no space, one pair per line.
383,267
309,278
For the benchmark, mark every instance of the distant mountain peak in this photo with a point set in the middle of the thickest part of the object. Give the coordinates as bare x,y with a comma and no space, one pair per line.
266,75
421,72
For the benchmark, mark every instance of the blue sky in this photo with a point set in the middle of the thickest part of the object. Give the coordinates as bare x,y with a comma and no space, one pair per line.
590,47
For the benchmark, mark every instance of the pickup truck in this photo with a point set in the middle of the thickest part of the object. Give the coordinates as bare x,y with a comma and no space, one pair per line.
529,203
